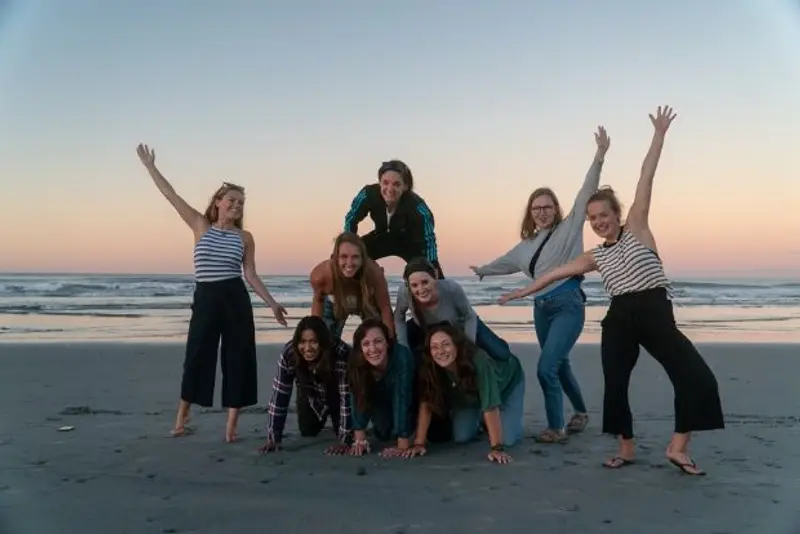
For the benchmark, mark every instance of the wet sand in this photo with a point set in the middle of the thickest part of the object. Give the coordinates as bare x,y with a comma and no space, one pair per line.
118,469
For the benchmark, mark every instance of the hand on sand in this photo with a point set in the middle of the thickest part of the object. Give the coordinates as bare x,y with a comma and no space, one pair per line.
475,270
359,448
339,449
662,120
146,155
416,450
499,457
280,313
602,139
269,446
394,452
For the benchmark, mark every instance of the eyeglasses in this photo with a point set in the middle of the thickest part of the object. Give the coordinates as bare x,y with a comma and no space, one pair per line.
540,209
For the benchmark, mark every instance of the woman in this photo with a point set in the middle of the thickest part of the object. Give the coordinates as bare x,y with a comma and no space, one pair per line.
461,379
548,240
404,225
221,307
434,301
318,364
355,282
640,314
382,376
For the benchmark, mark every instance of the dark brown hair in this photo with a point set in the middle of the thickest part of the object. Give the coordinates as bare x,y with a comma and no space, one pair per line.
359,371
365,293
606,194
431,384
418,265
400,168
212,213
323,363
528,229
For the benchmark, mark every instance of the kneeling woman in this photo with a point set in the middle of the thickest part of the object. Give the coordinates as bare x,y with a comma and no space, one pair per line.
460,378
382,379
356,283
318,365
433,301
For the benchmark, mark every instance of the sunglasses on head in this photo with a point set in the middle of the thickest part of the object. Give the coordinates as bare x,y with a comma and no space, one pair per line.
228,186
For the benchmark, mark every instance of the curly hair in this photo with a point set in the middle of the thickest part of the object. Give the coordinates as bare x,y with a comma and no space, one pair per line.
359,370
431,377
323,366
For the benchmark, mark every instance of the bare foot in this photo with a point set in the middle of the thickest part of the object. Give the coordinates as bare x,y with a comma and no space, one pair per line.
230,427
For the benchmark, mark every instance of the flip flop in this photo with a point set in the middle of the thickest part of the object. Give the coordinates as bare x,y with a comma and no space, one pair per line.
684,467
618,462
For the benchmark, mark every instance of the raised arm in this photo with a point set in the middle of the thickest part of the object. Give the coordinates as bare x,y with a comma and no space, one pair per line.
400,309
382,298
591,182
250,274
359,209
580,265
193,218
639,213
505,264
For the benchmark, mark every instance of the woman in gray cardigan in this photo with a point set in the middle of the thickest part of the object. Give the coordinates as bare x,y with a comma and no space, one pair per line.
548,240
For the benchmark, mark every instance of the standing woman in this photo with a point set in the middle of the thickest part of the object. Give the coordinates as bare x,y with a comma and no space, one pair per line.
404,225
431,301
356,283
640,314
221,307
548,240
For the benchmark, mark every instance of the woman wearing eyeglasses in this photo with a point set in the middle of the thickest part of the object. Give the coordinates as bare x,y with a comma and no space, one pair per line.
404,225
548,239
221,306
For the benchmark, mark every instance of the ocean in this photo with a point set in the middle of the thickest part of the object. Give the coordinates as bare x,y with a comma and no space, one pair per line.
152,308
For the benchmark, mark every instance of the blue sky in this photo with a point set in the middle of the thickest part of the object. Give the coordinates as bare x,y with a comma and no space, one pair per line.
300,101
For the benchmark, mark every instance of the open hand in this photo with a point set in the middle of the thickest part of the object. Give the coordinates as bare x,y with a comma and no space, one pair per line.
602,139
416,450
280,313
505,298
394,452
339,449
499,457
662,120
359,448
146,155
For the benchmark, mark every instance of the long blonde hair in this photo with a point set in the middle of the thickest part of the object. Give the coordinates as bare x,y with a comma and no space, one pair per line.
212,213
366,293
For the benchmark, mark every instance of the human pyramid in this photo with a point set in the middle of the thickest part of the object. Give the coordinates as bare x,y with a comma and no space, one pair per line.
442,374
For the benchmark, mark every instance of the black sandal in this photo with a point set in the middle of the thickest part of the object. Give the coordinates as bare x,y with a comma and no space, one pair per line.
618,462
686,466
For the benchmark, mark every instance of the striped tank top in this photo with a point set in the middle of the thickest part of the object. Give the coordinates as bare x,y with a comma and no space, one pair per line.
218,255
628,266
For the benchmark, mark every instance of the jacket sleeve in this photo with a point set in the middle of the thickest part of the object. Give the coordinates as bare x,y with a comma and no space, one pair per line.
359,209
403,390
426,230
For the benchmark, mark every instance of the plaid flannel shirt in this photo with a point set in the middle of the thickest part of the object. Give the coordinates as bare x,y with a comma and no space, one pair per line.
284,380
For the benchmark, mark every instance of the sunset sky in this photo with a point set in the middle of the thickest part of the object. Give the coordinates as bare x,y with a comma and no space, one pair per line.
301,100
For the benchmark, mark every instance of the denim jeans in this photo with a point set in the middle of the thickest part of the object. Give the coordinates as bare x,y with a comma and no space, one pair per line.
467,420
485,338
558,320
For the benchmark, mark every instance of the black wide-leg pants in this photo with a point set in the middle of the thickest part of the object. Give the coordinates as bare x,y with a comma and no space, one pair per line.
221,310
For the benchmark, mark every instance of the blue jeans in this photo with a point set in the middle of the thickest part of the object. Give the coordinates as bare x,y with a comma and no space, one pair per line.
467,420
558,320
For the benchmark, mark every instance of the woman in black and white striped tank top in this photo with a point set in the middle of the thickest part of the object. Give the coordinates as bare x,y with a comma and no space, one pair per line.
640,314
221,307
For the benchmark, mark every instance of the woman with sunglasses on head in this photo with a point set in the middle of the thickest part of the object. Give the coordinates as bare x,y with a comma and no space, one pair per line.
640,314
431,301
548,240
221,307
404,225
318,364
349,283
459,381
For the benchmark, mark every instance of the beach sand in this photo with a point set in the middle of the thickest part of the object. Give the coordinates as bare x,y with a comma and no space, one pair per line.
118,470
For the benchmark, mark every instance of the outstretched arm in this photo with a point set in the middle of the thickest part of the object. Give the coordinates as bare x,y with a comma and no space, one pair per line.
505,264
580,265
251,275
358,211
193,218
638,215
